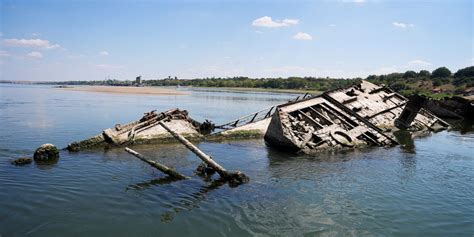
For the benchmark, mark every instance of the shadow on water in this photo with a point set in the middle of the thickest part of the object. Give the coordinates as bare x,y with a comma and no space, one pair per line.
46,165
299,166
406,141
408,160
187,202
276,156
172,154
191,201
464,126
153,182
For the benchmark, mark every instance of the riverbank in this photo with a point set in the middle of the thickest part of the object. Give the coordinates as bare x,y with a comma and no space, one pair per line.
127,90
155,90
249,89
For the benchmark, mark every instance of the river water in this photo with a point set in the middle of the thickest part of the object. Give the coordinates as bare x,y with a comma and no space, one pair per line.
427,189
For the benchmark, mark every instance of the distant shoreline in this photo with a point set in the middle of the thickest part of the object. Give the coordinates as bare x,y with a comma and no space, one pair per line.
253,89
126,90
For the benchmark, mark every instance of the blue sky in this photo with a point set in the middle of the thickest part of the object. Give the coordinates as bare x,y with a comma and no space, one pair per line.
93,40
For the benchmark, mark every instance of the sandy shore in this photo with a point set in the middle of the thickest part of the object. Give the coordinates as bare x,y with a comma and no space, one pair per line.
127,90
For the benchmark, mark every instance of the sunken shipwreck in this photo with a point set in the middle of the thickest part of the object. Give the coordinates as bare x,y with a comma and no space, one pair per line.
361,115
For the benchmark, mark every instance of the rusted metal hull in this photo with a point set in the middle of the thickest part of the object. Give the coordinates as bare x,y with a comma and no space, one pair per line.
347,118
144,130
358,116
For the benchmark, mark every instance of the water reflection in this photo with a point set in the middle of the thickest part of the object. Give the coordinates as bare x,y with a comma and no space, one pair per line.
408,164
46,165
173,154
406,141
295,166
464,126
183,202
191,201
151,183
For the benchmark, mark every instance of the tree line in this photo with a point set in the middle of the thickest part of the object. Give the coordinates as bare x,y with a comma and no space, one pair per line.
440,80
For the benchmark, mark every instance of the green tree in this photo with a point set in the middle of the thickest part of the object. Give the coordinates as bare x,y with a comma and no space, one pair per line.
465,72
437,82
409,74
398,86
424,73
441,72
371,78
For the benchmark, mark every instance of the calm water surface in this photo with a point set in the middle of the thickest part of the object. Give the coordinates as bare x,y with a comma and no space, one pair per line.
427,190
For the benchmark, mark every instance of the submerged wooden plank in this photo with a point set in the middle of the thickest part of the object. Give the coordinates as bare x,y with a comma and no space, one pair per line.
163,168
233,177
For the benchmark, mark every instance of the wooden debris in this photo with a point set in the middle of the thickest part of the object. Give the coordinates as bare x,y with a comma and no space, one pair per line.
233,177
169,171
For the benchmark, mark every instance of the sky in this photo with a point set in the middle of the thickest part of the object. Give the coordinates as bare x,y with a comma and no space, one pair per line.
60,40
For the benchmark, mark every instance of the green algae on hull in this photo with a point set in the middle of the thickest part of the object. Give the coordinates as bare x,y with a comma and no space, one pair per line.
239,134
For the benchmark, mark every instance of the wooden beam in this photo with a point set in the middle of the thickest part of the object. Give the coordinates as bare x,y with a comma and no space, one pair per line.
321,115
311,119
233,177
169,171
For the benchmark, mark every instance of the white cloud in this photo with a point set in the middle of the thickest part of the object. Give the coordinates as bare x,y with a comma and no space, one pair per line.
267,21
355,1
332,25
4,54
419,62
108,66
104,53
291,21
258,32
35,55
35,43
402,25
302,36
34,34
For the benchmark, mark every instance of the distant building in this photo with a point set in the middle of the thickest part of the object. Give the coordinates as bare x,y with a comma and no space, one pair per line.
138,80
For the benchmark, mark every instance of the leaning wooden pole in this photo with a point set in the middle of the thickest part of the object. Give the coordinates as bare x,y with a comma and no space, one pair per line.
165,169
233,177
